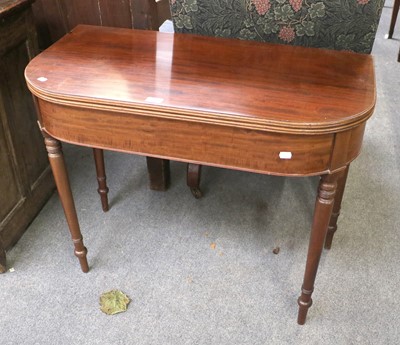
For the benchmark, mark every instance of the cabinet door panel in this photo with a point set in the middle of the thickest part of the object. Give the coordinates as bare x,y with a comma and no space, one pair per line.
26,180
9,191
23,123
78,12
115,13
50,22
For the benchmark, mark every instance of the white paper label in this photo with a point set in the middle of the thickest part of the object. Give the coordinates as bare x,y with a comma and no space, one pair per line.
154,100
285,155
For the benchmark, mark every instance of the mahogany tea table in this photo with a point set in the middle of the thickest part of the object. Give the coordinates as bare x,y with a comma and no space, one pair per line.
264,108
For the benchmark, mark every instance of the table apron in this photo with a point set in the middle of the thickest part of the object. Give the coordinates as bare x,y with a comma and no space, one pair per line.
203,143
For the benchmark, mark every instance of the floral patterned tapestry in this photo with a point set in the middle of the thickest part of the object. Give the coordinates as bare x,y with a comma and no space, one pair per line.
334,24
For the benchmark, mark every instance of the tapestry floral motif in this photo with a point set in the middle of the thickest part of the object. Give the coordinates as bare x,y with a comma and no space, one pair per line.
334,24
262,6
287,20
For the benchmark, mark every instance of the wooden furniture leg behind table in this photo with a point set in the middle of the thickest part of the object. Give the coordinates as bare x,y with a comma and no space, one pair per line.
158,170
101,178
159,173
193,176
396,7
3,261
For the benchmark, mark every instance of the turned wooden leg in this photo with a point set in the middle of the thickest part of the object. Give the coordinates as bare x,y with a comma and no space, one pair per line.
322,214
193,179
395,12
341,184
58,167
101,178
159,174
398,57
3,266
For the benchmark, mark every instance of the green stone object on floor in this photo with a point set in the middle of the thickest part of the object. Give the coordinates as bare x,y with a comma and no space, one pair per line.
114,302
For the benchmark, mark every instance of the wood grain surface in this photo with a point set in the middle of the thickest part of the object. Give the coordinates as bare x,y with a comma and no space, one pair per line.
7,7
212,80
54,18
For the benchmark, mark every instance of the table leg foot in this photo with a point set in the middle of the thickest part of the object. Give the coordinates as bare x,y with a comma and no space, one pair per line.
159,173
81,254
303,306
193,179
322,213
341,184
101,178
57,163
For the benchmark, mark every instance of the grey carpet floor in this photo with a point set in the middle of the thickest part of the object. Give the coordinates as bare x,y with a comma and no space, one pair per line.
159,249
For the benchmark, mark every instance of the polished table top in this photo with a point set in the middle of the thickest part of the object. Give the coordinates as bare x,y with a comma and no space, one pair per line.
251,106
247,84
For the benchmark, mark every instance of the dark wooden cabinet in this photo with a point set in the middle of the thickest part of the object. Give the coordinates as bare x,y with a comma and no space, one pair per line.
54,18
26,180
